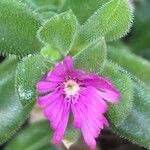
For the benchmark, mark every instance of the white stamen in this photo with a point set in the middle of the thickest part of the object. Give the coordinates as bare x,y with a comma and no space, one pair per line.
71,88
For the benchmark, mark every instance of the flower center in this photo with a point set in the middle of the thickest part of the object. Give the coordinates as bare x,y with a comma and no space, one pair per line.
71,88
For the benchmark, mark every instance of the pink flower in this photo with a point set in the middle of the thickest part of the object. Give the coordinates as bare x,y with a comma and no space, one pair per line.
66,90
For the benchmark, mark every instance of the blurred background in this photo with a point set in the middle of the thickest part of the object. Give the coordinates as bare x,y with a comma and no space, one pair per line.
138,41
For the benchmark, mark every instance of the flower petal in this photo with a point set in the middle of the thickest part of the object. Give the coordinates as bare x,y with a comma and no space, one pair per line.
57,73
77,120
43,86
46,100
97,82
55,120
68,62
43,101
55,114
89,139
92,118
96,100
49,109
53,78
110,95
59,132
106,123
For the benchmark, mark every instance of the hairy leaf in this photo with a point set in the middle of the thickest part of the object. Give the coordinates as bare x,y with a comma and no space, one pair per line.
50,54
28,73
44,8
145,54
134,64
33,137
139,39
45,13
111,21
36,4
18,27
83,9
136,126
12,114
59,32
92,58
118,113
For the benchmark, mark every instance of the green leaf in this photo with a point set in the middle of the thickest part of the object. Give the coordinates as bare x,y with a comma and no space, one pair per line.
136,126
18,27
46,14
44,8
83,9
118,113
92,58
36,4
12,114
134,64
7,64
71,134
47,147
33,137
28,73
50,54
145,54
112,21
139,39
59,32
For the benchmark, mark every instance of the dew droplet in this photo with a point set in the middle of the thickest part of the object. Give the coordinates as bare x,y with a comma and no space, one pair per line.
29,55
25,93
